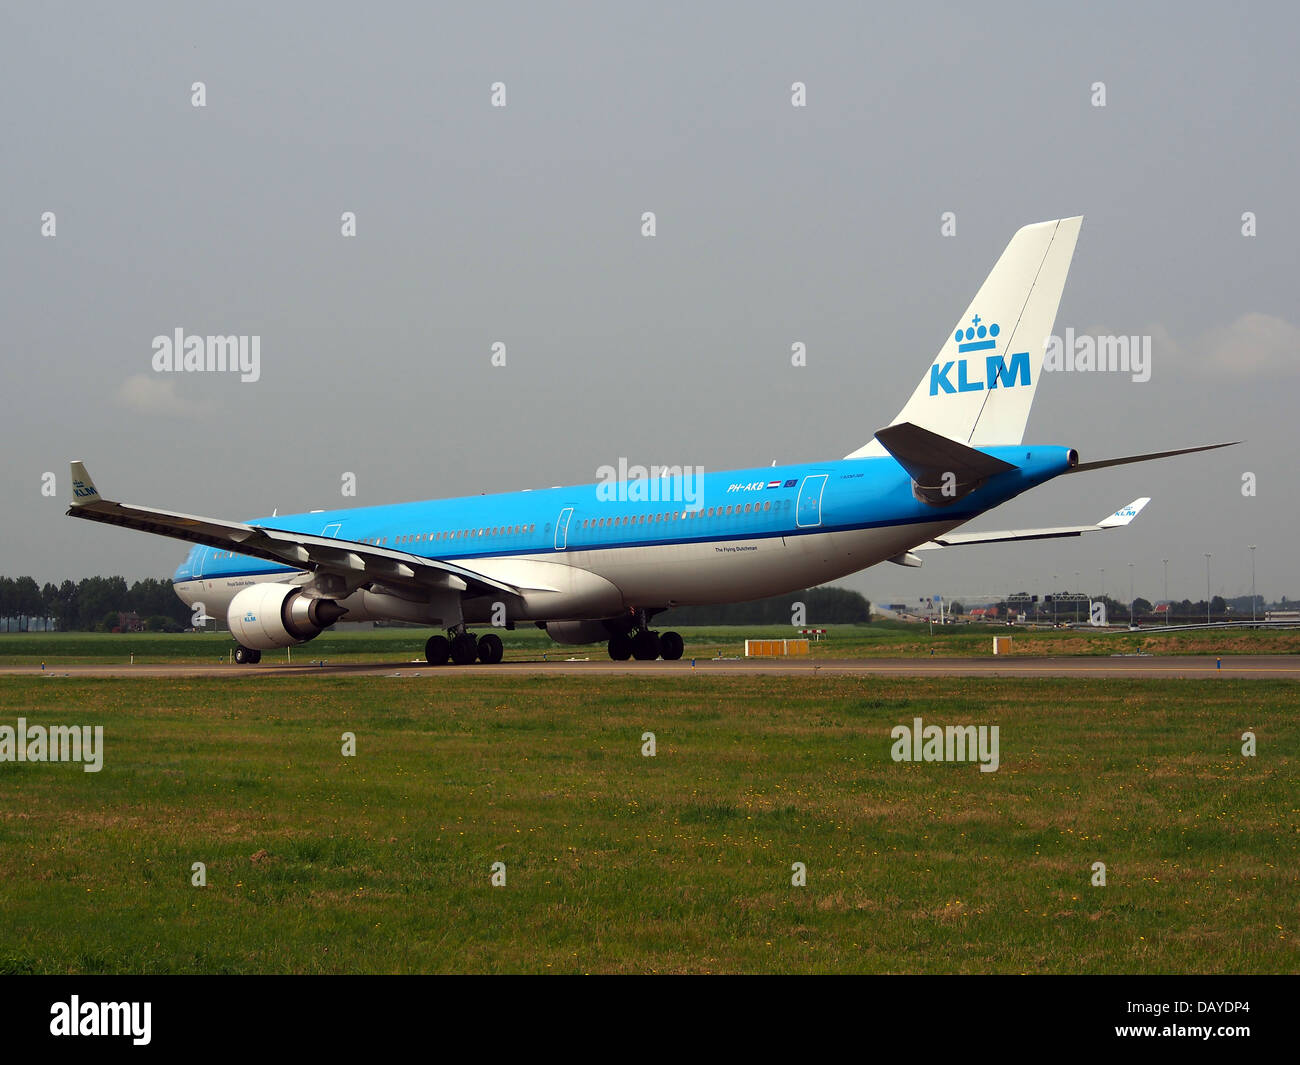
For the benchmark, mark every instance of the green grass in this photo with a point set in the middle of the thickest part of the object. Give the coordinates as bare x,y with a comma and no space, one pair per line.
878,640
677,863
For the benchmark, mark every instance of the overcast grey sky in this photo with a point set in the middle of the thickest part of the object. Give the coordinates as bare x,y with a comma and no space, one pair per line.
522,225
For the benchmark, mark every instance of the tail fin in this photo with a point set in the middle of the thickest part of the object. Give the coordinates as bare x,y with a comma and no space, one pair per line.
980,386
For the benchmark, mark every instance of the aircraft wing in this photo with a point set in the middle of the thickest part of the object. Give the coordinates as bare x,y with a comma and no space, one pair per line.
301,550
1117,520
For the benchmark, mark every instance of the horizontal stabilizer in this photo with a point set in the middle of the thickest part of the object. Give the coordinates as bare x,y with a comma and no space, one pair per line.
1117,520
942,470
1101,464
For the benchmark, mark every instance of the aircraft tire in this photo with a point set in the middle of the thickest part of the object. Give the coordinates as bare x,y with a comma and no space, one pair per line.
437,650
490,649
464,649
671,646
645,646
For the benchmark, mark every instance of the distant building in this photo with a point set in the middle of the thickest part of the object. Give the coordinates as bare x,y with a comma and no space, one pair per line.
24,623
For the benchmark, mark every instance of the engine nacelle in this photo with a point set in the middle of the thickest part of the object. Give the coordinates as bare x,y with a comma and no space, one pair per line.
278,615
577,631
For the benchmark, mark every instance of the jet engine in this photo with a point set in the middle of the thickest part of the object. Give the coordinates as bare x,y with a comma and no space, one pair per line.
278,615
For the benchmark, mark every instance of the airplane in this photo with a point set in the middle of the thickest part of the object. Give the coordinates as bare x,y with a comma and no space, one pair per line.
595,563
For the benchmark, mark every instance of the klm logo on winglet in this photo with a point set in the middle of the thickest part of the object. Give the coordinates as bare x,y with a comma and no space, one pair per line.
81,490
1008,371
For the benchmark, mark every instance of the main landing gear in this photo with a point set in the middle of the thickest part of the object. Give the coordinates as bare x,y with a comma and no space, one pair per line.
464,648
646,646
246,656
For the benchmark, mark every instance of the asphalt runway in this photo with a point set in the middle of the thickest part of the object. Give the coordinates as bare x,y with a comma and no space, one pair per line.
1251,667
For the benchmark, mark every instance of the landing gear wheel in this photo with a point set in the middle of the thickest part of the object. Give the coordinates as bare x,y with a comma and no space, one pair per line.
246,656
620,647
645,646
490,649
671,646
437,650
464,649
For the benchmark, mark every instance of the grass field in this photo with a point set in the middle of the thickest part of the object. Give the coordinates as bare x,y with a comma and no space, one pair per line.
677,863
877,640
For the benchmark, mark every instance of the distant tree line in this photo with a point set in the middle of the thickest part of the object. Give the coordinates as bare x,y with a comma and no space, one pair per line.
93,604
1187,611
822,606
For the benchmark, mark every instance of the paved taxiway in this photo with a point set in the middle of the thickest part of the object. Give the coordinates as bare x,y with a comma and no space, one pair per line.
1254,667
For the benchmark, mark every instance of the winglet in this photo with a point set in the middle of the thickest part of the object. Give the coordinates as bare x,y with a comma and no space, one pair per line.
83,488
1124,515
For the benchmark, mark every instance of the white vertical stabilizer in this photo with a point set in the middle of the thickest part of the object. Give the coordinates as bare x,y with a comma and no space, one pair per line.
981,385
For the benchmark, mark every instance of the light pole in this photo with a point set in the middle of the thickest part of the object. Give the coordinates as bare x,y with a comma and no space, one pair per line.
1252,582
1166,562
1054,594
1132,620
1207,587
1077,584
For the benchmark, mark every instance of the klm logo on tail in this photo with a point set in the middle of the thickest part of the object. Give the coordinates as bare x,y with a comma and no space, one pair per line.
1008,371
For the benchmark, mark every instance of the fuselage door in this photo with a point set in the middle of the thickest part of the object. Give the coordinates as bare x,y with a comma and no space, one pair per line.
808,510
562,529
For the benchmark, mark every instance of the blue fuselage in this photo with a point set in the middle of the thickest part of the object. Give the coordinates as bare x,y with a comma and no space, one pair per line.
736,505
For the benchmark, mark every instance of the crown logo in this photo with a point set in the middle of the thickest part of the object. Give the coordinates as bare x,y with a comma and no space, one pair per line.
972,338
